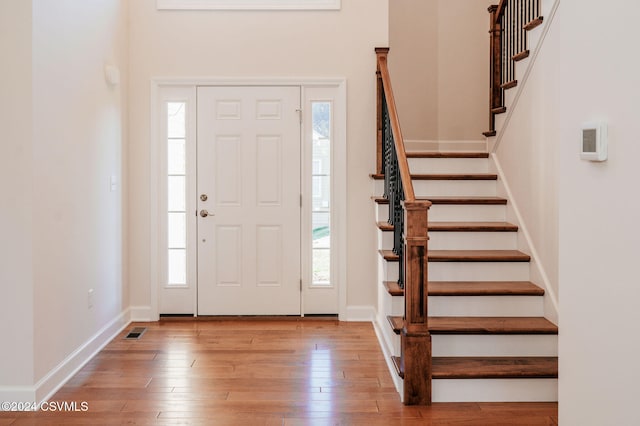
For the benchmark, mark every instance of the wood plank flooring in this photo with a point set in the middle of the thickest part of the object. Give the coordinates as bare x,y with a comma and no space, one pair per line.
256,372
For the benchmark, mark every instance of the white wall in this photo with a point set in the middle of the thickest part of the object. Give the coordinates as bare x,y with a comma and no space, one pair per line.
527,152
439,64
599,211
16,279
260,44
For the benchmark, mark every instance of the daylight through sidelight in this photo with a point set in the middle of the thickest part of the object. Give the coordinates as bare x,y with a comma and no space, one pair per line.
176,194
321,193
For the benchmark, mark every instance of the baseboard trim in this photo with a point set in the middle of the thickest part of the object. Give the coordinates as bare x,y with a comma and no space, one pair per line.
141,314
46,387
362,313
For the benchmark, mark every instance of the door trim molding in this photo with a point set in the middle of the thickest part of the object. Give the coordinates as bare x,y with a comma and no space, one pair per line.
340,171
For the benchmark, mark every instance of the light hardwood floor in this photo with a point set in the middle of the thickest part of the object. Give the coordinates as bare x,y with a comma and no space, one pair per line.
256,372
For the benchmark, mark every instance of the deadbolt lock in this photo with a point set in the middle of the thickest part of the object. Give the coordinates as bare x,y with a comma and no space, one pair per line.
204,197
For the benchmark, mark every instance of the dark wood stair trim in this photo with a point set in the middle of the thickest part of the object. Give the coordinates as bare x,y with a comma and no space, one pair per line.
397,364
466,256
510,84
396,323
534,23
491,325
461,227
494,367
436,154
452,176
499,110
521,55
393,288
389,255
478,256
473,288
484,288
490,133
463,200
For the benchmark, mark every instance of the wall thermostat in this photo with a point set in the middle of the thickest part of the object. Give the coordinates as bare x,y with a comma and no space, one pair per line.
594,141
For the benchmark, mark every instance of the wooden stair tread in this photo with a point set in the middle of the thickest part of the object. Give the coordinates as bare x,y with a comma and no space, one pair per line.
466,256
534,23
436,154
454,200
396,323
473,288
445,176
393,288
478,256
483,325
397,364
389,255
491,325
494,367
484,288
461,226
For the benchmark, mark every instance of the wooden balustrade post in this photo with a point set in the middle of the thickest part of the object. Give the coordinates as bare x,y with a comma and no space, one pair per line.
416,340
495,68
381,52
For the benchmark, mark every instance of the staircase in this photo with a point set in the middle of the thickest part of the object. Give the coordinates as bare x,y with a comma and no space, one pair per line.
490,341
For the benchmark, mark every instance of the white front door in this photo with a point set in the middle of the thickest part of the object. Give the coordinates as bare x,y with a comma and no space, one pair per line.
248,189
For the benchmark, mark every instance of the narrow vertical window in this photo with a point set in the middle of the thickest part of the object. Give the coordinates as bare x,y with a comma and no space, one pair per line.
176,194
321,193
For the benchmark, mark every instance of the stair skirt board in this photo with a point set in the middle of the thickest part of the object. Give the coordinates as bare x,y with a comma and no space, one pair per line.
495,390
387,344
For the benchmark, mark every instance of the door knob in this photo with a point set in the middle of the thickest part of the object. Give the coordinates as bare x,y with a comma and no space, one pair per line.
205,213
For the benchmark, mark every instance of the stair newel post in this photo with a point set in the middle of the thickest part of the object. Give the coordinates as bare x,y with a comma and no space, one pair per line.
415,336
495,64
380,102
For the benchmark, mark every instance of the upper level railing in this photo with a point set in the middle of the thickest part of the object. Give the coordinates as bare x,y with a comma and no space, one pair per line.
408,216
510,20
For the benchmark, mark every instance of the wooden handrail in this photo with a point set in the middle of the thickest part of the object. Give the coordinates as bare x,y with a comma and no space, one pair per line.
383,69
409,218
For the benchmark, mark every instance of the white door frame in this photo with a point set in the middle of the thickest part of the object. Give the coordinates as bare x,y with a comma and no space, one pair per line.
339,177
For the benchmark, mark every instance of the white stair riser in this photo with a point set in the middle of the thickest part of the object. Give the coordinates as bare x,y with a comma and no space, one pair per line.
385,240
494,344
448,165
486,306
382,212
467,213
439,240
478,271
494,390
389,271
390,305
452,188
455,213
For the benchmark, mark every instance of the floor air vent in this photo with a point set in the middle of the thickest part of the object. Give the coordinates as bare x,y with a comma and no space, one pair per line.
136,333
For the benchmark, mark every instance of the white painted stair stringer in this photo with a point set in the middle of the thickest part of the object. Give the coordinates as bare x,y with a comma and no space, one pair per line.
537,271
